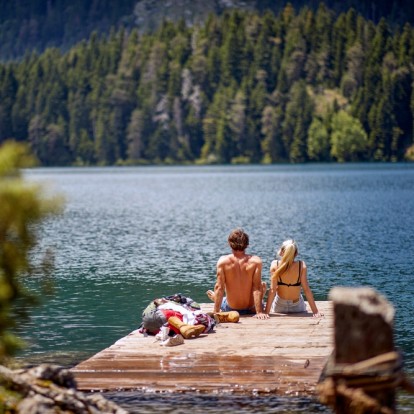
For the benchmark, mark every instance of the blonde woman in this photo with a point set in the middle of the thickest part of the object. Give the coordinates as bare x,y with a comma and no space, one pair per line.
287,278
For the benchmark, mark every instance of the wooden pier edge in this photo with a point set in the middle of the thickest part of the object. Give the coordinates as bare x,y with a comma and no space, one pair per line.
284,355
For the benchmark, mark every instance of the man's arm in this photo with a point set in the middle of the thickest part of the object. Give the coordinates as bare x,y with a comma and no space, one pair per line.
219,287
257,291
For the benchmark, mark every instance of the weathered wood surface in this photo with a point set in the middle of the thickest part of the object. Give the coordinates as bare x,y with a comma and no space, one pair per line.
282,355
363,332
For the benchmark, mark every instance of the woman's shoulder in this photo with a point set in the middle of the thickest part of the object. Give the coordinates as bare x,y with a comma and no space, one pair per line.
301,263
274,264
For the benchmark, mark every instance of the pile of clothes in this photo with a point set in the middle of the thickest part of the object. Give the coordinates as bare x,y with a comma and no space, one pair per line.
174,318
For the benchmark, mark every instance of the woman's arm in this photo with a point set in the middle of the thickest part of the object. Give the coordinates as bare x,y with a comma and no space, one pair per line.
270,296
273,287
308,292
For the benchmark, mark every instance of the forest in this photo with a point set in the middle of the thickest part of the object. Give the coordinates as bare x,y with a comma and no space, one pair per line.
35,25
244,87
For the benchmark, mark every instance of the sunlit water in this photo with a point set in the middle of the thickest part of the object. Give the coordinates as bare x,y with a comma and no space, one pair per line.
128,235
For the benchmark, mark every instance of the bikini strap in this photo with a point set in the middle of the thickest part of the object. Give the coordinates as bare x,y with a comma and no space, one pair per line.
300,271
279,278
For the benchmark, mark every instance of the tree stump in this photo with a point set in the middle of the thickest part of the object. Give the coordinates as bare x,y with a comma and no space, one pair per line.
363,331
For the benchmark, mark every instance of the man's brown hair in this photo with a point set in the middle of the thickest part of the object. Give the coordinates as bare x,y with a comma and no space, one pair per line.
238,240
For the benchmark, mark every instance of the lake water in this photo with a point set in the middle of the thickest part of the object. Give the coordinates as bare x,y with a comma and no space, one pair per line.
128,235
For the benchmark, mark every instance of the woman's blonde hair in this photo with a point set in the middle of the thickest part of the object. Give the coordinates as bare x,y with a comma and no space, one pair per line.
288,251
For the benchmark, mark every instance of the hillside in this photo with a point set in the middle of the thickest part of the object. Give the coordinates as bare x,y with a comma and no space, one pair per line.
29,25
244,87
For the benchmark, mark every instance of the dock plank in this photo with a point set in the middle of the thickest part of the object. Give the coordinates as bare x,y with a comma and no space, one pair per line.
282,355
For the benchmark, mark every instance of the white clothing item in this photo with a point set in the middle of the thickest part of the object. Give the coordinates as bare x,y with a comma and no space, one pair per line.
188,316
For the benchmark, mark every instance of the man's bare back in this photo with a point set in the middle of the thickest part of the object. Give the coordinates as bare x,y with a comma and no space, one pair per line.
237,272
239,276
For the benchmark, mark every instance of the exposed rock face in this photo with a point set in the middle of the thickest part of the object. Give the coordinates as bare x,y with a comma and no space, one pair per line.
50,389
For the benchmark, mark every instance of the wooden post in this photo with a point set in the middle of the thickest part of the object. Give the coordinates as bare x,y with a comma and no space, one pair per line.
363,322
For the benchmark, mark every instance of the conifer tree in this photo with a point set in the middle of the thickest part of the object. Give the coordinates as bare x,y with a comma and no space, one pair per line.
318,145
298,117
272,144
237,87
8,90
231,52
237,123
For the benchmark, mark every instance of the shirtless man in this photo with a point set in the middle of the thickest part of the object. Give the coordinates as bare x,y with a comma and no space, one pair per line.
240,276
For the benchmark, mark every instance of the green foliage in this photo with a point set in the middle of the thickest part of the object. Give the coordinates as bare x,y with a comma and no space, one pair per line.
318,141
349,140
298,117
23,207
33,25
36,25
241,86
409,155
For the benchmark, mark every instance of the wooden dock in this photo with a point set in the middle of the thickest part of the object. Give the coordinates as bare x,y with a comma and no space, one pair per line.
283,355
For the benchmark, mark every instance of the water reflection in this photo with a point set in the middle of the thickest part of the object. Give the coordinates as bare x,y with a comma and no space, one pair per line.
199,403
131,234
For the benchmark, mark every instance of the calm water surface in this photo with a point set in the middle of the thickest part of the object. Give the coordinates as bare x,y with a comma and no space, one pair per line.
128,235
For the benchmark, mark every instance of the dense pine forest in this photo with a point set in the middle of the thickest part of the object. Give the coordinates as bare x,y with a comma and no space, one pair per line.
37,24
244,87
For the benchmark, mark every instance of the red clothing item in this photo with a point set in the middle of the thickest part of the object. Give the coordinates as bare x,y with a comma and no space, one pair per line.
168,313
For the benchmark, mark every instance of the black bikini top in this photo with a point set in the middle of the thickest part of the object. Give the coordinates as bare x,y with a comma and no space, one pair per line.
298,282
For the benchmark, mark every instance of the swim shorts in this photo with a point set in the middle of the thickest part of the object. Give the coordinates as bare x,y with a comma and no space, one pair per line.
280,305
226,308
